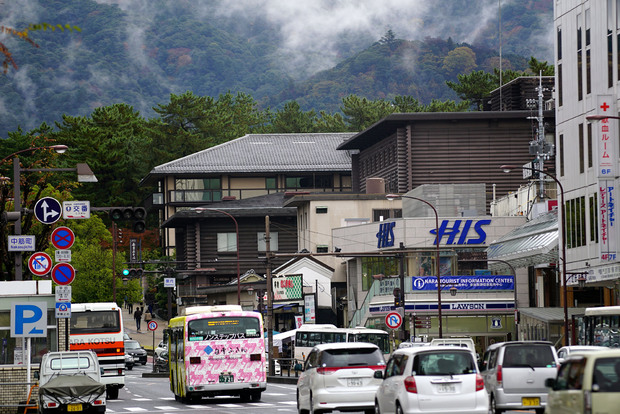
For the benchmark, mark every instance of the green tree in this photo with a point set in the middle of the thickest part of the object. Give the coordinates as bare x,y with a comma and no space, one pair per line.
459,60
537,67
292,119
115,141
360,113
474,87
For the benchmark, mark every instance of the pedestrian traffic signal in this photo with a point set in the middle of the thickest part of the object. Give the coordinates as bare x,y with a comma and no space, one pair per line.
135,214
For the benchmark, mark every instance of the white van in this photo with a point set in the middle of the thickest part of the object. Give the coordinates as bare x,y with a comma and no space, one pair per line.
464,342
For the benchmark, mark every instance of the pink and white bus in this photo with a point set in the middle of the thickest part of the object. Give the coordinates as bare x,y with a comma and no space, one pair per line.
216,350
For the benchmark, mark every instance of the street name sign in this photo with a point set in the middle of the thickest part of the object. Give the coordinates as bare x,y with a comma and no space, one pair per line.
21,244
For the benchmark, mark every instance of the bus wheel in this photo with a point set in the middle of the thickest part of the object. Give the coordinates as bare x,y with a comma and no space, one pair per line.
255,395
112,393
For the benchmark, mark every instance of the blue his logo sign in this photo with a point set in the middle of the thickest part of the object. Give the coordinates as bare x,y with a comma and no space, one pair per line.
385,236
454,231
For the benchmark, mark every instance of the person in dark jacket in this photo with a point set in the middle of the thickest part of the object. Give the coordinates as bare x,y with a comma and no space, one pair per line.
137,315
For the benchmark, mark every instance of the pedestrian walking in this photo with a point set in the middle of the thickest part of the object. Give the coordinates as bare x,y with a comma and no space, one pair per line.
137,315
130,308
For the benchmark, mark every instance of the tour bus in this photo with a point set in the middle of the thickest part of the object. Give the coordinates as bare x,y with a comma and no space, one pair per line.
99,327
601,326
216,350
309,335
374,336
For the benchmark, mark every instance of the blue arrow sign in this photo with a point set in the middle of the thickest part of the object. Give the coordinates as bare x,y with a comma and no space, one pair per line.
47,210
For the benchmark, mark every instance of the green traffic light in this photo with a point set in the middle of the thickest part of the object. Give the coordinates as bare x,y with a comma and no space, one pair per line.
125,272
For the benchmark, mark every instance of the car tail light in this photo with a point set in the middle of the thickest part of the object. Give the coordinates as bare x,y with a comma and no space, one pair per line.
51,404
410,385
327,370
479,382
498,376
98,402
120,371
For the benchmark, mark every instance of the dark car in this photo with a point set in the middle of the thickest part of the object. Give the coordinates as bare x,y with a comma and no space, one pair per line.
161,362
134,349
129,362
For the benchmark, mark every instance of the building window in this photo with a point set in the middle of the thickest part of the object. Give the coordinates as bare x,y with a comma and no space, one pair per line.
387,266
226,242
560,95
273,241
579,60
384,214
590,155
561,153
321,210
559,42
594,219
270,183
588,68
322,248
310,181
188,189
581,150
610,50
576,222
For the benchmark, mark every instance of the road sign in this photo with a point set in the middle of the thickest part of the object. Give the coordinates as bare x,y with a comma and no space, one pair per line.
63,310
63,293
29,319
76,209
63,273
21,244
169,282
393,320
40,263
47,210
62,238
152,325
63,255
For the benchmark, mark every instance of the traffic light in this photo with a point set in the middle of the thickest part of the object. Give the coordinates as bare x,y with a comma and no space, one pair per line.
135,214
133,273
398,301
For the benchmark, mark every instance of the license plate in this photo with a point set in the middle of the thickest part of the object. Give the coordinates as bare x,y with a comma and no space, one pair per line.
74,407
530,401
354,382
446,388
227,378
136,358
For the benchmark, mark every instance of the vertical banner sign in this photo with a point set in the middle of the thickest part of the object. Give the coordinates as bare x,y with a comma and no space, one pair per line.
606,133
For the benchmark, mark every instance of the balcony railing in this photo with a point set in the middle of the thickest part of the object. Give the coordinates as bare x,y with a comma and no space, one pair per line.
202,196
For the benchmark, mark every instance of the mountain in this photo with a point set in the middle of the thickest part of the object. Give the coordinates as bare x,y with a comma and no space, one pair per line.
315,52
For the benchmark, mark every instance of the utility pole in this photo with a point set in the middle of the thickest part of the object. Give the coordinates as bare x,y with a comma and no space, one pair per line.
269,296
401,275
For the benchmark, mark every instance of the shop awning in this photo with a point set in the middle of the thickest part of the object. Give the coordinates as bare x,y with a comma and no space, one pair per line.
534,243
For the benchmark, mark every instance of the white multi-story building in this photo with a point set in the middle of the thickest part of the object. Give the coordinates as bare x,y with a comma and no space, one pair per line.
587,59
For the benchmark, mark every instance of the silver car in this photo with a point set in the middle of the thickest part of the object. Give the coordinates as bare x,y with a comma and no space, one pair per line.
515,373
340,376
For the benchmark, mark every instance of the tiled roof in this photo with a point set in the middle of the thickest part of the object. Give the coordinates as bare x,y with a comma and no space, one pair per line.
266,153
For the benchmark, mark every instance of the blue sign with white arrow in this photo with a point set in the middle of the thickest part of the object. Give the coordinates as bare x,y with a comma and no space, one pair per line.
47,210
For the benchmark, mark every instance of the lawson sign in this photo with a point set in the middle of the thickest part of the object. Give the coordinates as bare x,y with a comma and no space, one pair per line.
424,283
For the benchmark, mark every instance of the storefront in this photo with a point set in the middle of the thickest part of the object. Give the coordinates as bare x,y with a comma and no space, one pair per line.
474,302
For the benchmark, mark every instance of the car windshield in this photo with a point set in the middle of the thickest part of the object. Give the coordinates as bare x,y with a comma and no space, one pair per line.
351,357
132,345
444,363
528,355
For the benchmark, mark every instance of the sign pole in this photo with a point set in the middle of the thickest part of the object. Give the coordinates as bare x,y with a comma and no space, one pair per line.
153,350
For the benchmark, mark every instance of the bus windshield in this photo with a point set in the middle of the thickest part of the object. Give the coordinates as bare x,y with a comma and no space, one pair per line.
95,322
207,329
379,339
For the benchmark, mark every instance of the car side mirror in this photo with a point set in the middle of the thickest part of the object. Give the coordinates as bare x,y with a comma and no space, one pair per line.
550,383
378,375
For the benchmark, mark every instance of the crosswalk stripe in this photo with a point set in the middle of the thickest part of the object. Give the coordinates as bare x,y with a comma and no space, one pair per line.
135,409
166,407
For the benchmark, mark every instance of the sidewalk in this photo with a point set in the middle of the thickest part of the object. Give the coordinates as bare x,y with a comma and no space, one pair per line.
145,337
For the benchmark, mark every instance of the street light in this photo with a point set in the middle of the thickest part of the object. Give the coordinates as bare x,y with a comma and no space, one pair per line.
237,235
395,196
507,169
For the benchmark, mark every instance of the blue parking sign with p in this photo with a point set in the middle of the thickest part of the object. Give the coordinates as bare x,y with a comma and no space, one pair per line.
28,319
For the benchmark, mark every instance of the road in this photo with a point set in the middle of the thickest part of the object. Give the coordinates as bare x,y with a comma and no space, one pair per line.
152,395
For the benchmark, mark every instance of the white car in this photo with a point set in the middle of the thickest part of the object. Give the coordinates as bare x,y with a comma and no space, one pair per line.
432,379
161,347
565,351
340,376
